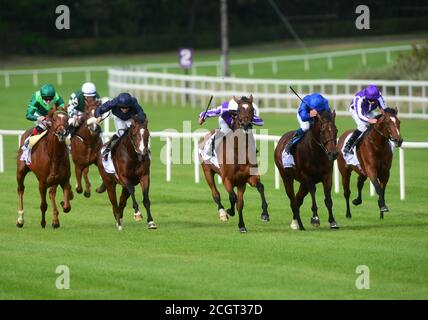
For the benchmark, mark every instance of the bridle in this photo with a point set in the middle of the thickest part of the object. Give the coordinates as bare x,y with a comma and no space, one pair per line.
48,124
322,144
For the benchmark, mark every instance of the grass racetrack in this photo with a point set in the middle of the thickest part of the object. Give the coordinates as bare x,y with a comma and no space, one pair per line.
192,255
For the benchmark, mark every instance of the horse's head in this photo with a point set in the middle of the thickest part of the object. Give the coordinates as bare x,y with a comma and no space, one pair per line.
58,124
90,105
139,135
328,134
388,125
245,113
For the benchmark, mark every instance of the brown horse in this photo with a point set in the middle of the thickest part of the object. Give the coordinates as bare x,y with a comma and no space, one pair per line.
131,159
238,165
375,156
50,164
314,157
85,146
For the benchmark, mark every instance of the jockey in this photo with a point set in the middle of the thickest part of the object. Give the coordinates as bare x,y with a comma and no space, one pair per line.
226,111
123,107
76,104
311,105
361,108
41,103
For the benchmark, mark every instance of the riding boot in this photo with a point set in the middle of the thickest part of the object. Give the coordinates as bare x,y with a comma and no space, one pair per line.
294,139
72,130
110,146
350,144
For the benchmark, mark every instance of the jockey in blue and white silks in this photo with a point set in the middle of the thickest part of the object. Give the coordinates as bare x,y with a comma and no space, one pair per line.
361,108
225,112
311,105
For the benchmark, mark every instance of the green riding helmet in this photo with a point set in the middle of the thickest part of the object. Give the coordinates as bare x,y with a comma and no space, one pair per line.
47,91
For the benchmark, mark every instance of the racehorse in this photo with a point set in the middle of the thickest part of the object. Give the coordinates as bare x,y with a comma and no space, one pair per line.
375,157
238,165
131,159
314,157
51,165
85,147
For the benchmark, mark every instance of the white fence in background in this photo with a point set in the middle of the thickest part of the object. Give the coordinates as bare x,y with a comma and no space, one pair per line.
275,60
251,63
195,137
272,95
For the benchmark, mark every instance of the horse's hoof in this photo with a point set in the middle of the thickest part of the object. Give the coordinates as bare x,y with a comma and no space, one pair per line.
333,225
294,225
230,212
243,230
43,224
384,209
101,189
138,217
71,195
152,225
65,209
315,221
87,194
223,215
348,216
264,217
79,191
55,225
19,225
357,202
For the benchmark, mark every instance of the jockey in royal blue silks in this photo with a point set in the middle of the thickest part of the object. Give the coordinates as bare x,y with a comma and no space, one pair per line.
225,112
361,108
312,105
123,107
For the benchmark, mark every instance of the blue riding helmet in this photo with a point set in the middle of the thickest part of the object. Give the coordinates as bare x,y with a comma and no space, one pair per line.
371,92
316,101
124,99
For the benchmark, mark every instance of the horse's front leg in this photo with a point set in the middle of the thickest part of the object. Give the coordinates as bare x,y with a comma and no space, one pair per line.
131,190
22,171
145,186
78,170
380,192
52,195
87,192
327,183
296,223
68,195
232,197
43,203
254,181
315,220
360,184
240,207
209,177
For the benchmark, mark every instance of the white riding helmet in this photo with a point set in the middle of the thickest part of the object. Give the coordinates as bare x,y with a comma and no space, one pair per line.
233,106
89,89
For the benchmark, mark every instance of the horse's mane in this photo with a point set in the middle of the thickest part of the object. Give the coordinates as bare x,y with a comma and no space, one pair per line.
245,99
391,111
326,115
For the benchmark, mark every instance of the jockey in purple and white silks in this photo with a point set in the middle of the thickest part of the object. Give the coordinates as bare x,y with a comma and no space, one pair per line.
362,111
225,112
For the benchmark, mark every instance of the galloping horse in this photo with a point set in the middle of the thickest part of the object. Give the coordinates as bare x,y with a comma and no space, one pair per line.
375,156
238,164
85,147
131,159
50,164
314,158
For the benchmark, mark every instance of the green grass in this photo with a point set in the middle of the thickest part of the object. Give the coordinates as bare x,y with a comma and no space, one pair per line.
194,256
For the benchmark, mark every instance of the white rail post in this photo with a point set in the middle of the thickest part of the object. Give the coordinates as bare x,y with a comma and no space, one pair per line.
6,80
1,154
307,67
250,68
336,177
88,75
196,158
364,59
35,79
168,159
59,78
402,177
388,56
329,63
274,67
277,181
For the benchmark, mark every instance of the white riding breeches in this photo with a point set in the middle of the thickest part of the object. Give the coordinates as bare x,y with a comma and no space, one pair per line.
361,124
121,125
304,125
224,127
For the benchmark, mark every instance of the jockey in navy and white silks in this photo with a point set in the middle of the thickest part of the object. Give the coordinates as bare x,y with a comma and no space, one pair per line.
225,112
123,107
362,111
312,105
